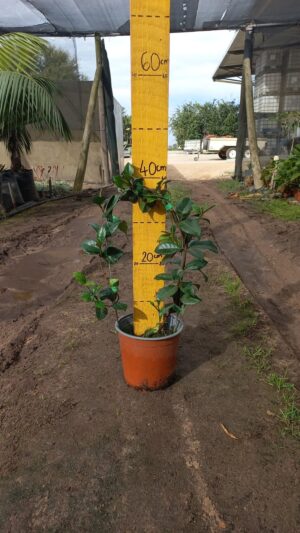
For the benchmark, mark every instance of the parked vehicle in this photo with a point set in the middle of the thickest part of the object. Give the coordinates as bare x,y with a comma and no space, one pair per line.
192,146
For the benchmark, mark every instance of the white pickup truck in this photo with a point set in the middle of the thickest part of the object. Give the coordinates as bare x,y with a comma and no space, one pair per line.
225,147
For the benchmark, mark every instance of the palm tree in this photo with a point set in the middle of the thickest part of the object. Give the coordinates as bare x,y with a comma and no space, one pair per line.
26,98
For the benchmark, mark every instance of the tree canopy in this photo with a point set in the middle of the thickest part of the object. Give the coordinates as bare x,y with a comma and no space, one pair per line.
194,120
57,64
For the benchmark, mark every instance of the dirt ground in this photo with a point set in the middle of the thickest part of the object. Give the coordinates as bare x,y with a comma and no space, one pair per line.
82,452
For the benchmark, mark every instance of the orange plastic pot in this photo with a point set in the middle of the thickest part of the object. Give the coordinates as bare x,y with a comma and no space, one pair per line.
296,193
148,363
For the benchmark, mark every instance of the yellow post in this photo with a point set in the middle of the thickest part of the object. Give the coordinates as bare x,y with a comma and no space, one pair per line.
150,45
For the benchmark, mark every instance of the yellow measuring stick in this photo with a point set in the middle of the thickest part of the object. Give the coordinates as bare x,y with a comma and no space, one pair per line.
150,46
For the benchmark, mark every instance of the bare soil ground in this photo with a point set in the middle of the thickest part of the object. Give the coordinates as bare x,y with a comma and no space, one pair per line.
82,452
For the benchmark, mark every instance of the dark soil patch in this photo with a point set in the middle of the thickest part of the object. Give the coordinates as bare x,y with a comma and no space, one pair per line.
80,451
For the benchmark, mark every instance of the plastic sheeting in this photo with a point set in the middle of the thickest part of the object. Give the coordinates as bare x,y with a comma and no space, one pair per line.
111,17
268,39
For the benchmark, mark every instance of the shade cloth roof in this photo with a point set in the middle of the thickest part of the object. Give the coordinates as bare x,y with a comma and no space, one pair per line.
111,17
268,38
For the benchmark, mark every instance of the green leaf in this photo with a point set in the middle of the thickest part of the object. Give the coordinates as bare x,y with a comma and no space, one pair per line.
188,299
122,182
80,277
112,254
152,331
191,226
170,308
128,171
114,284
169,206
174,275
123,226
167,248
196,249
95,227
112,225
164,276
120,306
101,312
166,292
90,247
101,234
204,245
197,264
99,200
184,207
107,294
111,203
87,297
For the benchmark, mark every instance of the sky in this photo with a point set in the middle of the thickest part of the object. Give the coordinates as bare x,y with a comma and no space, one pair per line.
194,57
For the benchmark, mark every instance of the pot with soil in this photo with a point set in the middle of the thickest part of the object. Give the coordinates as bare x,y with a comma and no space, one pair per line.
296,194
149,360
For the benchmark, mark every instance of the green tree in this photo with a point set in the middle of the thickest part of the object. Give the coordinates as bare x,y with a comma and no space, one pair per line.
194,120
126,127
57,64
25,98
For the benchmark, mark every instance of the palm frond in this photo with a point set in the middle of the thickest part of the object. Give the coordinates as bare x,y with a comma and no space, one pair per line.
29,100
19,52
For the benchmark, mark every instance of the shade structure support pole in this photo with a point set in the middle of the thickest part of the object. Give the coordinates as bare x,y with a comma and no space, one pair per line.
252,138
86,137
106,175
242,135
150,41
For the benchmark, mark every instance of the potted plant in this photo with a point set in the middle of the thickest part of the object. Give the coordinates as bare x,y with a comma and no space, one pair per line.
149,360
287,178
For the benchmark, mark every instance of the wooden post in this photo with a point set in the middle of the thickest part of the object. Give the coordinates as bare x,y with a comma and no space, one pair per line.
252,138
102,121
85,143
242,134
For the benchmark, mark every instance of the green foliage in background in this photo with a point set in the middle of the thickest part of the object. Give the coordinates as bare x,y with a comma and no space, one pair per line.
194,120
57,64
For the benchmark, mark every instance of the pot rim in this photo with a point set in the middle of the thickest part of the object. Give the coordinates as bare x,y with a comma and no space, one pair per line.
136,337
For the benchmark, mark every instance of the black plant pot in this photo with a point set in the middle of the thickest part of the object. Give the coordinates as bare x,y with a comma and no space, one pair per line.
26,185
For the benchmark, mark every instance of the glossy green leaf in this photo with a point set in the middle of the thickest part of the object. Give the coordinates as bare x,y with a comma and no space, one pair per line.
101,234
111,203
167,248
188,299
166,292
191,226
90,247
95,227
114,284
184,207
197,264
120,306
206,245
101,311
107,294
112,254
128,170
165,276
